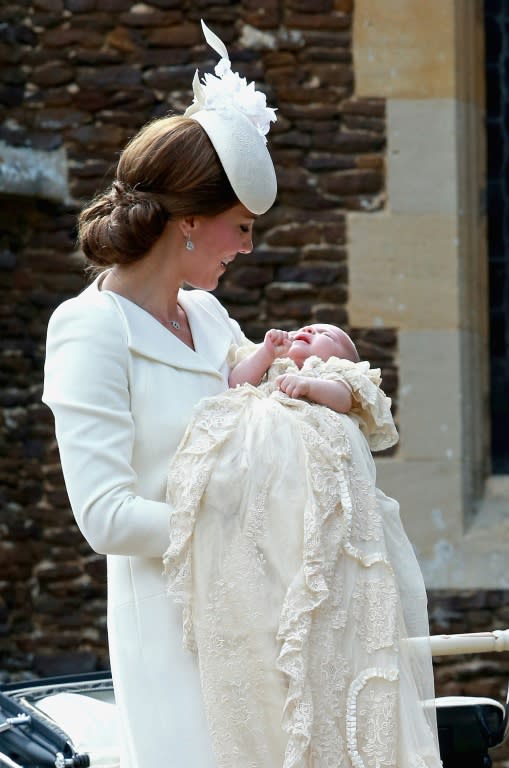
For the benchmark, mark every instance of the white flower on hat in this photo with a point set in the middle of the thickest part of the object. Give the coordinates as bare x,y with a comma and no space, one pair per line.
226,90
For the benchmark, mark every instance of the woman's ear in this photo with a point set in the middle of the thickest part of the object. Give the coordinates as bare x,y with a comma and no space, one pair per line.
188,225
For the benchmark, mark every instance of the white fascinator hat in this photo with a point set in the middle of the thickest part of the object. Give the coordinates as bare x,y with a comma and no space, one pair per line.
236,119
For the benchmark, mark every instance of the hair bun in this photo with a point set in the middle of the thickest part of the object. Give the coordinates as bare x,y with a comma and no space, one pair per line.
121,225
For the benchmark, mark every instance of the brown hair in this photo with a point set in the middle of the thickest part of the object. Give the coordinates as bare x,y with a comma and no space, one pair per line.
169,169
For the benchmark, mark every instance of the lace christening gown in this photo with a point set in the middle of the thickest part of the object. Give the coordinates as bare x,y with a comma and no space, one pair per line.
299,587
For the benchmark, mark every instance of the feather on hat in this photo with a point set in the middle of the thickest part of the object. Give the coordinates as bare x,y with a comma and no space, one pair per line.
236,119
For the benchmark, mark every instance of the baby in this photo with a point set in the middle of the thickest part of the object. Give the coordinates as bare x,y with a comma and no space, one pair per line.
322,340
297,581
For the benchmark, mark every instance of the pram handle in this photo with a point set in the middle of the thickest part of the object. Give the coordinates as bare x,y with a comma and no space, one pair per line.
470,642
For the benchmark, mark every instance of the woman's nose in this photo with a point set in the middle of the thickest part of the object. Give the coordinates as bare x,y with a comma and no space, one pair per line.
247,244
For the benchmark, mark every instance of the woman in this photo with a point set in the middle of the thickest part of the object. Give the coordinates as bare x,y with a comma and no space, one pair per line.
129,358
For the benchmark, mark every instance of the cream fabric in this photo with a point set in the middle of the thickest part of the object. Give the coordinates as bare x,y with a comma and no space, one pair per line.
298,583
122,389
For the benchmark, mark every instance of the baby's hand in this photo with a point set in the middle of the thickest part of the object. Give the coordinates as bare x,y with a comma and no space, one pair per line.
293,385
277,342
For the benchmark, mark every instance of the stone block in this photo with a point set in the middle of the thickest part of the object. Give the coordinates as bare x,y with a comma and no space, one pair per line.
121,39
294,311
336,293
66,36
318,21
294,234
323,252
108,78
411,59
418,129
430,497
276,256
282,291
54,6
318,6
34,173
292,139
330,313
143,15
348,143
80,6
323,161
170,77
314,273
354,182
177,36
323,38
430,367
403,271
165,3
253,276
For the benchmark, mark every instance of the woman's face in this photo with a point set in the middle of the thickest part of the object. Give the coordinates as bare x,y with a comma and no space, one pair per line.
320,339
217,241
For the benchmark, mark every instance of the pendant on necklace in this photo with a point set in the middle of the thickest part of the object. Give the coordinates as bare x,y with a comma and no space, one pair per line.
175,324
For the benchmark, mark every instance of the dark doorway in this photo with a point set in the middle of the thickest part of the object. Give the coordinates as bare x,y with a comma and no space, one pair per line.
496,18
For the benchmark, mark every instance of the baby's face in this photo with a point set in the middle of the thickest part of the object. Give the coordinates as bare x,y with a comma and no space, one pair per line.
319,339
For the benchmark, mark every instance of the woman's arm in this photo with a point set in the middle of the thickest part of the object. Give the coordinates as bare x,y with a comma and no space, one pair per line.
87,388
333,394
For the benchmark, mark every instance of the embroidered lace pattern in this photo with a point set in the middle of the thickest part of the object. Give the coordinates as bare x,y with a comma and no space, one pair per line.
278,556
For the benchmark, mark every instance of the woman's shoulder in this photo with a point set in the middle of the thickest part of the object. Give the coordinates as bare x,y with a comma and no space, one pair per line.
91,311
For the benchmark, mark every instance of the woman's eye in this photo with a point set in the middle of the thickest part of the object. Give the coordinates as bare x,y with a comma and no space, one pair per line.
244,228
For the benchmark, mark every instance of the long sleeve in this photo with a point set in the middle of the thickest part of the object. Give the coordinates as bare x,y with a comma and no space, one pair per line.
87,388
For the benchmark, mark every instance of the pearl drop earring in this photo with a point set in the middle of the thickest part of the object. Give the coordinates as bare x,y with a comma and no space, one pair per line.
189,244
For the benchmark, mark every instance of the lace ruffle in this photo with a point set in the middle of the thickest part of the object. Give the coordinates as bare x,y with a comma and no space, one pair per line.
277,554
371,408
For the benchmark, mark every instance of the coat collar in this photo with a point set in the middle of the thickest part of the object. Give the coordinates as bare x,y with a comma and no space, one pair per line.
147,337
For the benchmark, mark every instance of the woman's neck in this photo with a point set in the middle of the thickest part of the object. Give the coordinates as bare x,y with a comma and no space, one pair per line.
152,283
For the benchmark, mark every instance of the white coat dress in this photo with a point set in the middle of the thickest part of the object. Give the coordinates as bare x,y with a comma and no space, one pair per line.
122,389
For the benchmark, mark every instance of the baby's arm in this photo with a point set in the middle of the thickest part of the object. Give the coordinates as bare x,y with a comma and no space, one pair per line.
333,394
252,369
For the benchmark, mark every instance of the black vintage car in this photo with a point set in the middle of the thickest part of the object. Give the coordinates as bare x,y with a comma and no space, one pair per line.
70,722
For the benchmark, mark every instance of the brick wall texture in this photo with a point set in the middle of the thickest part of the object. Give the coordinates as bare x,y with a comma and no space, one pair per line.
85,75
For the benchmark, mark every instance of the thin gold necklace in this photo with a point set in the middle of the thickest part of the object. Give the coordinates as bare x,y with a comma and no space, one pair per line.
174,323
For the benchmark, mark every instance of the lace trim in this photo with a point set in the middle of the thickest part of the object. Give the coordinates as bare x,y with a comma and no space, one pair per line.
332,602
371,408
373,719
